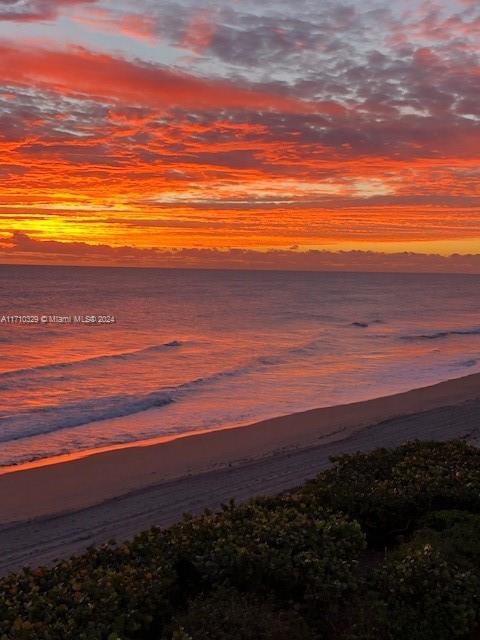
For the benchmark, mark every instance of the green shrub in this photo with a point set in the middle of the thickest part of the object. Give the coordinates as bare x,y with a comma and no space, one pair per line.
180,634
226,614
111,592
284,567
444,521
419,594
298,555
388,490
456,534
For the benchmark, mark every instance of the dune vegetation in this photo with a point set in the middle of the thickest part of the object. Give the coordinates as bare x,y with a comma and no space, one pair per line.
381,545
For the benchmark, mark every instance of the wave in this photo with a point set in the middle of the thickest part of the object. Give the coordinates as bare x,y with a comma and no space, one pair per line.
51,419
55,366
46,420
468,363
363,324
443,334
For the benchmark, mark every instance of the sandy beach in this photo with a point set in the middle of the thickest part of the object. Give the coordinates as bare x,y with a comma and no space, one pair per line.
49,512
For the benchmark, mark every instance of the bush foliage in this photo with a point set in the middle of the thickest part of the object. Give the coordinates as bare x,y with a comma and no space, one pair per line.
388,490
381,545
294,554
225,613
419,593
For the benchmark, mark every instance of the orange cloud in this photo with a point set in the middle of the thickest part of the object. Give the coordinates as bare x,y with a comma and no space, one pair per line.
79,71
336,128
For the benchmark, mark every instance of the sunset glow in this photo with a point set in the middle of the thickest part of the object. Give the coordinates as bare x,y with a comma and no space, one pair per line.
295,135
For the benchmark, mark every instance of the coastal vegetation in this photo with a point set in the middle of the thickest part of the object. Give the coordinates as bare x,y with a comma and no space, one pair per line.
381,545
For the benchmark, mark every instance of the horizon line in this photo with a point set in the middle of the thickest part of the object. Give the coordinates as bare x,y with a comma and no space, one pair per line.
239,269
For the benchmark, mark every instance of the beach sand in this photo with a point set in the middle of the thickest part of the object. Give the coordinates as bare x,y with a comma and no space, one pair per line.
50,512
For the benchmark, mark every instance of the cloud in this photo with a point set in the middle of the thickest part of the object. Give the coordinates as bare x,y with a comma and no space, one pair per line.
199,32
23,244
19,247
35,10
352,122
136,26
102,76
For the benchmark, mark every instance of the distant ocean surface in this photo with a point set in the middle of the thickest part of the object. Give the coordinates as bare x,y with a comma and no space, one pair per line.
196,350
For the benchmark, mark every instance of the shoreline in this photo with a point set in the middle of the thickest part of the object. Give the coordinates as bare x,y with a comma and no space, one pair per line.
80,482
58,521
428,393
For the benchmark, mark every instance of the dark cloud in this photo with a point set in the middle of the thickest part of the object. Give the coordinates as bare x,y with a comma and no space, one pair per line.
32,10
20,246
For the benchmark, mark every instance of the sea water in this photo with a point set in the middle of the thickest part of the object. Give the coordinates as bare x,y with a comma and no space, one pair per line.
119,355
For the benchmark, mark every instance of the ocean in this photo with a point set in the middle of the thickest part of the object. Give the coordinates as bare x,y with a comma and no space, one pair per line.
119,355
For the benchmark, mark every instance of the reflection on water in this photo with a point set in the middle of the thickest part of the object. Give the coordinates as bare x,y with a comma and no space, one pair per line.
195,350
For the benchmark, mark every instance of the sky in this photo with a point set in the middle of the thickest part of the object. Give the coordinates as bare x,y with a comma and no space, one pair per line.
276,134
